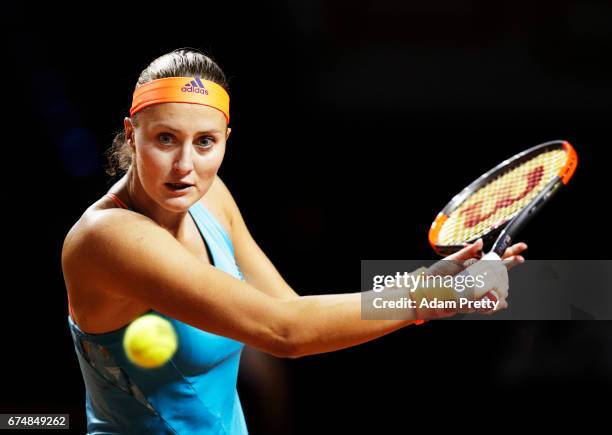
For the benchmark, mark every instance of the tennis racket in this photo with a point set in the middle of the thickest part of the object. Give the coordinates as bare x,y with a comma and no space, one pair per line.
500,202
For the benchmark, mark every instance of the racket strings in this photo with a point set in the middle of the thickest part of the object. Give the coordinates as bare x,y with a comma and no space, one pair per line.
501,199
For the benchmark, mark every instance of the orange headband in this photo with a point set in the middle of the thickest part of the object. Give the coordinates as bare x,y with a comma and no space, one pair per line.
181,90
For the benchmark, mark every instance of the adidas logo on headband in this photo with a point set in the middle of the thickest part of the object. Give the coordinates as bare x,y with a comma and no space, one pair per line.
196,86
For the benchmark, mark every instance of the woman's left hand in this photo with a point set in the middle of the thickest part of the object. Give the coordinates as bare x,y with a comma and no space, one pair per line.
511,257
469,254
473,252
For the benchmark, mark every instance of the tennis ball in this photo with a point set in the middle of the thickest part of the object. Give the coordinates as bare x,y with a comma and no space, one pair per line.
150,341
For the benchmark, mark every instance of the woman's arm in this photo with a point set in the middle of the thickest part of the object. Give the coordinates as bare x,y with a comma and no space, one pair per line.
325,323
128,254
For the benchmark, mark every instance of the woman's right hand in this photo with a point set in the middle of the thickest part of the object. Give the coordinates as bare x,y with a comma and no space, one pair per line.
489,277
493,283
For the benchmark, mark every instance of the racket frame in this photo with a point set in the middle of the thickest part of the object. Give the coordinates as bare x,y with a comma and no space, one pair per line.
502,234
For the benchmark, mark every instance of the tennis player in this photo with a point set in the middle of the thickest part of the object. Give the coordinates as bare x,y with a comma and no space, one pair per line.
169,238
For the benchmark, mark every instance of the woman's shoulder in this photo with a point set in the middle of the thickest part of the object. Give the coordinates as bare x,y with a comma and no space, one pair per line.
100,223
96,307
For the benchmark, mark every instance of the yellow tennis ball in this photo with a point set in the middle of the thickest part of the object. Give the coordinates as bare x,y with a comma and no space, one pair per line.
150,341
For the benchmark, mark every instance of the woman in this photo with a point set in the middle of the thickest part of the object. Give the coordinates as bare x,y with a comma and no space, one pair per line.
169,238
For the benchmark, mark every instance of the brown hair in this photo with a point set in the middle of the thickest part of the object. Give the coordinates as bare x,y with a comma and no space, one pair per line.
182,62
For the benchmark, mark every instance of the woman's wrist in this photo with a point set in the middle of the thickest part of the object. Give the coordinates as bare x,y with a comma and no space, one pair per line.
432,297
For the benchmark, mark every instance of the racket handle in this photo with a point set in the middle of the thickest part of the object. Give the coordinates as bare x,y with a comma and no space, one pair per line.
502,243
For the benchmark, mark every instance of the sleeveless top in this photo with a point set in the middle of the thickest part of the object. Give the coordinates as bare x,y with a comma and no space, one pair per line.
193,393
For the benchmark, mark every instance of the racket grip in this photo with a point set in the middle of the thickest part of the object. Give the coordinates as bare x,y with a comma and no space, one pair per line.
502,243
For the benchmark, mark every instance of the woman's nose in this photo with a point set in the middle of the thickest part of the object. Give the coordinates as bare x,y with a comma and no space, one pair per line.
184,160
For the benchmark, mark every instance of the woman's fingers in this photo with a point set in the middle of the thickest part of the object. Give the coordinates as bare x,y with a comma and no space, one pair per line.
514,250
511,262
468,251
502,304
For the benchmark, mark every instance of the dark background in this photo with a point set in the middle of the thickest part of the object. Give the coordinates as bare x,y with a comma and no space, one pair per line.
353,124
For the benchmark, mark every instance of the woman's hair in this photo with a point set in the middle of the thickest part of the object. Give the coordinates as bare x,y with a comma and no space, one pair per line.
182,62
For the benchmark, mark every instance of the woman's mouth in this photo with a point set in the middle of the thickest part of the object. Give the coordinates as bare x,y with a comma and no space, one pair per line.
177,186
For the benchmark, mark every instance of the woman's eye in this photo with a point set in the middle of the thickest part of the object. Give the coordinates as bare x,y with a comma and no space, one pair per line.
162,136
206,141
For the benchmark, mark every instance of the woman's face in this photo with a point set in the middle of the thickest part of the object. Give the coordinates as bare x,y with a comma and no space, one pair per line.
177,143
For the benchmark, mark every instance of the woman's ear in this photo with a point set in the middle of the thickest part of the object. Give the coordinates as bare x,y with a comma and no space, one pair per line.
227,133
129,132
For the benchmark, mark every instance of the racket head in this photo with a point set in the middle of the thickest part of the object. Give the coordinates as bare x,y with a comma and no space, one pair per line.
485,207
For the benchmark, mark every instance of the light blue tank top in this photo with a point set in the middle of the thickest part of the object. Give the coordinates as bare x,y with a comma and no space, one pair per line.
194,393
